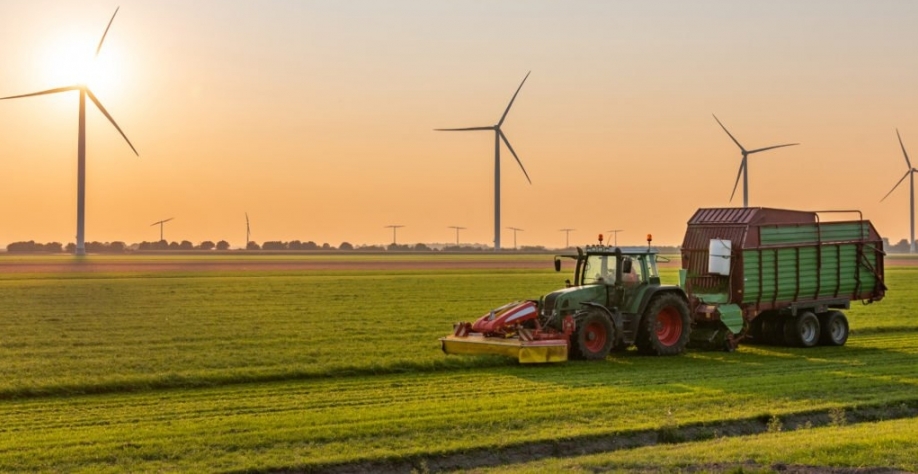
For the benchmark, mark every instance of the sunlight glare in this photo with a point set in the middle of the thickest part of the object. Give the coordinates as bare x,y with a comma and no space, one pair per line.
70,60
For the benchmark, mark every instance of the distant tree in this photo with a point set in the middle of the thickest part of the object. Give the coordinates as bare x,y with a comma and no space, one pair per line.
274,245
295,245
252,246
54,247
421,247
901,247
174,245
325,246
207,245
345,246
161,245
223,245
186,245
310,246
116,247
70,248
370,248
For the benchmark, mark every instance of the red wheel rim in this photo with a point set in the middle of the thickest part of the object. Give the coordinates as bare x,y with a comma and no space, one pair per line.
669,326
595,337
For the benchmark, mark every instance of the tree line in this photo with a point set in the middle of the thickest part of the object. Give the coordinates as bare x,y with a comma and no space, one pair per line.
273,245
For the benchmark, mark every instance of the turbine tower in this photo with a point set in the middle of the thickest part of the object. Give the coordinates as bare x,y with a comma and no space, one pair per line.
498,136
910,173
394,228
567,237
615,234
81,141
744,166
247,229
457,232
160,224
515,230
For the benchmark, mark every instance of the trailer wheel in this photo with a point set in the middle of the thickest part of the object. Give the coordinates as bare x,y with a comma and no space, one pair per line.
802,331
665,326
834,328
593,338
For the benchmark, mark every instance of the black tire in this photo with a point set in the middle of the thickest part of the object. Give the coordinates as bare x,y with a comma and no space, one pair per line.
802,331
833,328
773,329
593,338
665,326
755,330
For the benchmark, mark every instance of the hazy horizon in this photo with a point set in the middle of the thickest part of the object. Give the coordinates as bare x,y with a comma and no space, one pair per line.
316,118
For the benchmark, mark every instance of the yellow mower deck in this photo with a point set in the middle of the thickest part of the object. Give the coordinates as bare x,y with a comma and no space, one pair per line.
527,352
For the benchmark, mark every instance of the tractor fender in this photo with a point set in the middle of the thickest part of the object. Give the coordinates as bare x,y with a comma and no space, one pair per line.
613,316
652,292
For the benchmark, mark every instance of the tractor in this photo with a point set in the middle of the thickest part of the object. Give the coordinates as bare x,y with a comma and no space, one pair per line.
615,301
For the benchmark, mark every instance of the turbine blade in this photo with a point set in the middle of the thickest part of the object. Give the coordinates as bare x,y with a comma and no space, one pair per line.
507,142
98,48
738,175
897,184
169,219
903,150
462,129
770,148
729,134
502,117
110,119
49,91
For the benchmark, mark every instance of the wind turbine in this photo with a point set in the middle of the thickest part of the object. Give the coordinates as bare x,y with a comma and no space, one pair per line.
498,136
567,237
81,140
160,224
744,166
394,228
910,173
247,229
515,230
615,234
457,232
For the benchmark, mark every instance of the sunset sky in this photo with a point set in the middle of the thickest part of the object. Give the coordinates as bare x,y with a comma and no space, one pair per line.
317,117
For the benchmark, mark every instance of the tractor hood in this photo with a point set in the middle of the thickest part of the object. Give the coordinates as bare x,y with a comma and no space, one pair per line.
568,300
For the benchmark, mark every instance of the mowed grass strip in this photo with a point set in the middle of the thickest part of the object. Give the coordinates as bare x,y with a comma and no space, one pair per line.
885,444
97,334
318,423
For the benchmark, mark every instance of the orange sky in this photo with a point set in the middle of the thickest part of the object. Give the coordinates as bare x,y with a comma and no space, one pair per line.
316,118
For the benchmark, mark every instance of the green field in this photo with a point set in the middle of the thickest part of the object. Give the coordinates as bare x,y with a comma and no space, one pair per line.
260,371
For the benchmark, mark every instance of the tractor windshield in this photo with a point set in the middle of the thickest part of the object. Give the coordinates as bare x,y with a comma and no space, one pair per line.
598,269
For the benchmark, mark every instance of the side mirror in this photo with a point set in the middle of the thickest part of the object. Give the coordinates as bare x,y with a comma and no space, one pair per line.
557,264
626,266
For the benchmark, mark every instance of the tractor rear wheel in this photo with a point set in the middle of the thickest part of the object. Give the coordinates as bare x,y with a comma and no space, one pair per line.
593,338
802,331
833,328
665,326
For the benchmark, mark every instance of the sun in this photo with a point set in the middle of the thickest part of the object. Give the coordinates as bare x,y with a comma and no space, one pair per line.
71,60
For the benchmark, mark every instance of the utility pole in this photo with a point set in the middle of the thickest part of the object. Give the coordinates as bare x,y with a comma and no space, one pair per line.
615,235
394,229
567,237
515,230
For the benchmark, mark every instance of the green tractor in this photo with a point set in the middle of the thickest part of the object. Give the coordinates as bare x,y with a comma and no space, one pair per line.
615,301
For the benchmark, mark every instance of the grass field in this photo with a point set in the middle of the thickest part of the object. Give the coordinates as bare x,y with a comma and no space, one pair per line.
242,370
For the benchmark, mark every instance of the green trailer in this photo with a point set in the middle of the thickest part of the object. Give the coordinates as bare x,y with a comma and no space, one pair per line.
778,276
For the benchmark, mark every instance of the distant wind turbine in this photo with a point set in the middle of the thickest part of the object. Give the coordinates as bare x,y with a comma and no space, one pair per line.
160,224
247,230
457,232
910,173
81,141
515,230
567,237
498,136
744,165
615,233
394,229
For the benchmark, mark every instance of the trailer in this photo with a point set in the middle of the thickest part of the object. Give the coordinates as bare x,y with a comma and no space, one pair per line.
778,276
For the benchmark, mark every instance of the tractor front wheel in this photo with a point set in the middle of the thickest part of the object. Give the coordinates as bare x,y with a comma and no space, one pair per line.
665,326
593,338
